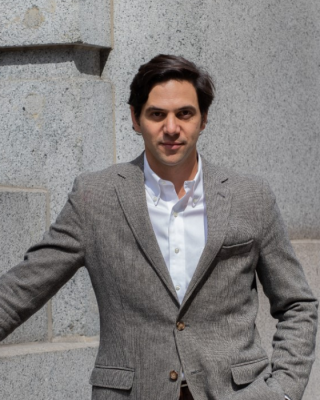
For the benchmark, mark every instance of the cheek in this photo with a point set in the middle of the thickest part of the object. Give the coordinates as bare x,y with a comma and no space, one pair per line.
148,137
194,130
150,131
194,126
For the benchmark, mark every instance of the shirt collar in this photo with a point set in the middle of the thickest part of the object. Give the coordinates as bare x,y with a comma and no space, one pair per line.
153,181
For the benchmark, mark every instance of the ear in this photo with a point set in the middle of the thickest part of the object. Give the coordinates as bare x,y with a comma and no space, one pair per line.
135,121
204,120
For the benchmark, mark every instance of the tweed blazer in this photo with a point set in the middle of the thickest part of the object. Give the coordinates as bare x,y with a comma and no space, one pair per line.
145,333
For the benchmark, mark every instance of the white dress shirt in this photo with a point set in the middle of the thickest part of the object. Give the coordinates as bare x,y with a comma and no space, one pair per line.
180,225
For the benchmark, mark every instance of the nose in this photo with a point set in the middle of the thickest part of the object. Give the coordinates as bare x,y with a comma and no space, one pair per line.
171,125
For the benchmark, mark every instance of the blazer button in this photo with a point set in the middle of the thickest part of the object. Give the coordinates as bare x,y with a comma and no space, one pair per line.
173,375
180,326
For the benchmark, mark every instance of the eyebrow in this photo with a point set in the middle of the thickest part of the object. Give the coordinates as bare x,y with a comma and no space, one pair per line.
187,107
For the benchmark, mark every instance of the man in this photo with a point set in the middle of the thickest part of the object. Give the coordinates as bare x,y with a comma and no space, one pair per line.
172,245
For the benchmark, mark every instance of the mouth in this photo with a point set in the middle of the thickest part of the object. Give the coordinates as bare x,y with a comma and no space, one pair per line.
172,145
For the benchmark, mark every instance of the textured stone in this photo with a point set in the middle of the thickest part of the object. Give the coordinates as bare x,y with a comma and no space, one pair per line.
308,252
47,371
74,308
264,57
39,22
54,62
22,223
53,130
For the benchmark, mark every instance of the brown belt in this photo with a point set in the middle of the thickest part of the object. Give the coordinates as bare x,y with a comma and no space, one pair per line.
185,393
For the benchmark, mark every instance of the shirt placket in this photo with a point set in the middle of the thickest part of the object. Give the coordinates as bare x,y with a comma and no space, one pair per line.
177,250
177,243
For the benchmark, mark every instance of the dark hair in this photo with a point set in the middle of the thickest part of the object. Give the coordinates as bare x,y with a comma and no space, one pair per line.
164,67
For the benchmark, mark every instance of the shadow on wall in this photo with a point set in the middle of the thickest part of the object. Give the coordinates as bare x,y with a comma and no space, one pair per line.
87,60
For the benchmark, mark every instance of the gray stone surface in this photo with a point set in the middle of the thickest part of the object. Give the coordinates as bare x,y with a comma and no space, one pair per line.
22,223
50,63
47,371
41,22
264,57
56,119
74,308
308,253
52,129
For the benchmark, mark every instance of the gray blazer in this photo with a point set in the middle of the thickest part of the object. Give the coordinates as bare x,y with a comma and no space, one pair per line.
145,333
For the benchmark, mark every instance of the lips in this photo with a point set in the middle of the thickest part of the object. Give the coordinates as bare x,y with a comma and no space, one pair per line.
172,145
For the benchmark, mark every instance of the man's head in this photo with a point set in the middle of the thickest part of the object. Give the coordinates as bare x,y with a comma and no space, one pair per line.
169,100
163,68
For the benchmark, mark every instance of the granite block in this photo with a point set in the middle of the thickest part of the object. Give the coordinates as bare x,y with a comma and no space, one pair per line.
75,309
22,223
52,131
264,58
46,125
47,372
55,22
308,252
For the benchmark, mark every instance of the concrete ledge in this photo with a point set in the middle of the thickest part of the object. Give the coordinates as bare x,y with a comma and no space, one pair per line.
66,344
50,371
39,22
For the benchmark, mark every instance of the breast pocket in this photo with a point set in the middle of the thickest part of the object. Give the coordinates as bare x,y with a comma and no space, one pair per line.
236,249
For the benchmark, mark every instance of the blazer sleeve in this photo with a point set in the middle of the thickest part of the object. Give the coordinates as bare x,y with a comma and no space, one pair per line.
47,266
291,302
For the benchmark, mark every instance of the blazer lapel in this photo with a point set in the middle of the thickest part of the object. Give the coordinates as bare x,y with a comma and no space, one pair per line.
218,202
132,197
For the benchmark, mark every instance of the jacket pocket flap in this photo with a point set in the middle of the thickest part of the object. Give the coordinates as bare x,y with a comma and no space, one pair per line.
235,249
112,377
247,372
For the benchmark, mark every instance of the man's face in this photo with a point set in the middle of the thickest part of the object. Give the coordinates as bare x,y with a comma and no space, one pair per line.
170,123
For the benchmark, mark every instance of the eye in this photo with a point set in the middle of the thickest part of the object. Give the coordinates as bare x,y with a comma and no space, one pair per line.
157,115
185,114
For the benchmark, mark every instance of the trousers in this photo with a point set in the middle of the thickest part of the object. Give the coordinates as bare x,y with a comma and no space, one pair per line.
185,393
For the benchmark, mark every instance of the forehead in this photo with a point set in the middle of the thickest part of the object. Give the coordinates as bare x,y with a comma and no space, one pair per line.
172,93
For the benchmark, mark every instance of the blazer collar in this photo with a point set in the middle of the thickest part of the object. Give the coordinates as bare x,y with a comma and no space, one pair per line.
218,201
132,198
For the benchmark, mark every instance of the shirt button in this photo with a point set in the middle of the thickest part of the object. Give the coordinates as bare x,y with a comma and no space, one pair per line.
175,214
180,326
178,288
155,199
173,375
176,251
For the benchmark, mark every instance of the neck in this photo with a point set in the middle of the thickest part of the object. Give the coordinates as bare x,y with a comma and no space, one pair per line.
177,174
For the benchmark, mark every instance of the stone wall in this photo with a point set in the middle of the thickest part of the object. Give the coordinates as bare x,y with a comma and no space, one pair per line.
63,110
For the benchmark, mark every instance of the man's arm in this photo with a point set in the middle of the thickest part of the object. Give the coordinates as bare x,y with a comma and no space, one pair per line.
47,266
291,302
